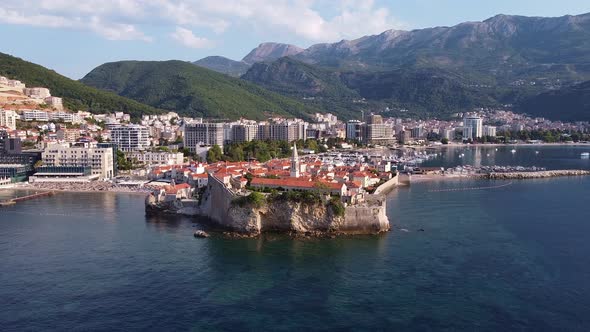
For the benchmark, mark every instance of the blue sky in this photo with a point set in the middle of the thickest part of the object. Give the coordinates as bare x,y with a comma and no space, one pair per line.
74,36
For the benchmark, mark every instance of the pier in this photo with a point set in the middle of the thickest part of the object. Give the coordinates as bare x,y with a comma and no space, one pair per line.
13,201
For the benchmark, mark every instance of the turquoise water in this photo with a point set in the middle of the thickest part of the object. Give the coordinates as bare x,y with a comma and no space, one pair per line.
512,258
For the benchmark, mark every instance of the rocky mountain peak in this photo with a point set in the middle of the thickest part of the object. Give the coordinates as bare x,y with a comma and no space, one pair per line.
270,52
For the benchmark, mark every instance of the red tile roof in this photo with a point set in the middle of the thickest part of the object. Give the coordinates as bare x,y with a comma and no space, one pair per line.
294,183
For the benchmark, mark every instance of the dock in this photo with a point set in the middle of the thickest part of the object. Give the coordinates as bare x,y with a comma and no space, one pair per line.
15,200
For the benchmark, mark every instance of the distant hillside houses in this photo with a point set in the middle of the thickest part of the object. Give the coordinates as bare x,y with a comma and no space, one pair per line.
17,91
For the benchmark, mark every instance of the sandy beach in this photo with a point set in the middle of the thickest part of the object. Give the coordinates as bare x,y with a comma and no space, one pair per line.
78,188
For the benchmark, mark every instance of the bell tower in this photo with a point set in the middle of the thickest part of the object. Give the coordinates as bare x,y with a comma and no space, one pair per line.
295,169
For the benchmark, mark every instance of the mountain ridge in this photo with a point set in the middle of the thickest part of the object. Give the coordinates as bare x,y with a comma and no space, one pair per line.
192,90
223,65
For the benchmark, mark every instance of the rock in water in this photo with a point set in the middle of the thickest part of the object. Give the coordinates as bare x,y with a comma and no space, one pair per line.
201,234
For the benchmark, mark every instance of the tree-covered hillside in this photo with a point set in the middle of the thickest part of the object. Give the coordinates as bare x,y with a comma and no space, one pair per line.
191,90
77,96
568,104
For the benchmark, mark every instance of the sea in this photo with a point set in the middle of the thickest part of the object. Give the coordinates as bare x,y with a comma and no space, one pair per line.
512,257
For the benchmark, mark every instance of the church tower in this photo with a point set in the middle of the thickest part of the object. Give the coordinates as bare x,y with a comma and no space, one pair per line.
295,169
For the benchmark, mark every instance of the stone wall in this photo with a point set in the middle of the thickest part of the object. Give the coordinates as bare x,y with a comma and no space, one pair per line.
367,218
388,186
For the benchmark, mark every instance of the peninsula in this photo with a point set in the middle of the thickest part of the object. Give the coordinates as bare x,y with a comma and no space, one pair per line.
295,204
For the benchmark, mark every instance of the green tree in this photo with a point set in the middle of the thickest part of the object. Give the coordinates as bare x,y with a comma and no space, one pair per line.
214,154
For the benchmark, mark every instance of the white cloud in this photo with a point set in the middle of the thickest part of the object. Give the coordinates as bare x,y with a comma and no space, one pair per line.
123,19
188,39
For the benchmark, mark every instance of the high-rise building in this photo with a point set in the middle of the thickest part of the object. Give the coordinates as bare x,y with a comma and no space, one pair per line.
203,134
476,123
285,131
379,133
468,133
131,137
355,130
245,133
417,132
374,119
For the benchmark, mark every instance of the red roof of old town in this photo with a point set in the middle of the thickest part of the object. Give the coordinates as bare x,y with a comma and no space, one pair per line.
294,183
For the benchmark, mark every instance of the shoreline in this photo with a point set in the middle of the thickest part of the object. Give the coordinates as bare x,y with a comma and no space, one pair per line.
78,191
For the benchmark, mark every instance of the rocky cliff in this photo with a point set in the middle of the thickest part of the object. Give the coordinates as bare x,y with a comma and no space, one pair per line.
221,206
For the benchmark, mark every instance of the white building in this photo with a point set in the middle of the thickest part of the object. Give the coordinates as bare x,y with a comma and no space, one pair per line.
100,160
476,123
131,137
8,119
489,131
37,93
64,116
448,134
156,158
35,115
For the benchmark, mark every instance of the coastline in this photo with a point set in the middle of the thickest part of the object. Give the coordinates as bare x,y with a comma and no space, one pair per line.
79,191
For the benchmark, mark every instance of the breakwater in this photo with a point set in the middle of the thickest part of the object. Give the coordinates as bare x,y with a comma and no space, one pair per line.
470,188
25,198
533,175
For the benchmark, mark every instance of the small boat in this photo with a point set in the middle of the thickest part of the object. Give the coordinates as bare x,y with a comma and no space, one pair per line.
201,234
536,152
585,155
513,151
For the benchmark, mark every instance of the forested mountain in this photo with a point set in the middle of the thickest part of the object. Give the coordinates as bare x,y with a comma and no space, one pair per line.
567,104
76,95
224,65
191,90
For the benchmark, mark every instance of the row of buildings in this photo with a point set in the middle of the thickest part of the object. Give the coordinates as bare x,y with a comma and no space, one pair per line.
199,134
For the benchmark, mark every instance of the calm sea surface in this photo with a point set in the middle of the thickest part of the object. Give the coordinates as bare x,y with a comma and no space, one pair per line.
512,258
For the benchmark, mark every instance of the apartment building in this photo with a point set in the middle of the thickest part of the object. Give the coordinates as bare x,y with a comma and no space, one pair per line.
203,134
156,158
131,137
8,119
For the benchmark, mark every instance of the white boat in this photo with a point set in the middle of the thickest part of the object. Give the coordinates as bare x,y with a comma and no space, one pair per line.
536,152
585,155
513,151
